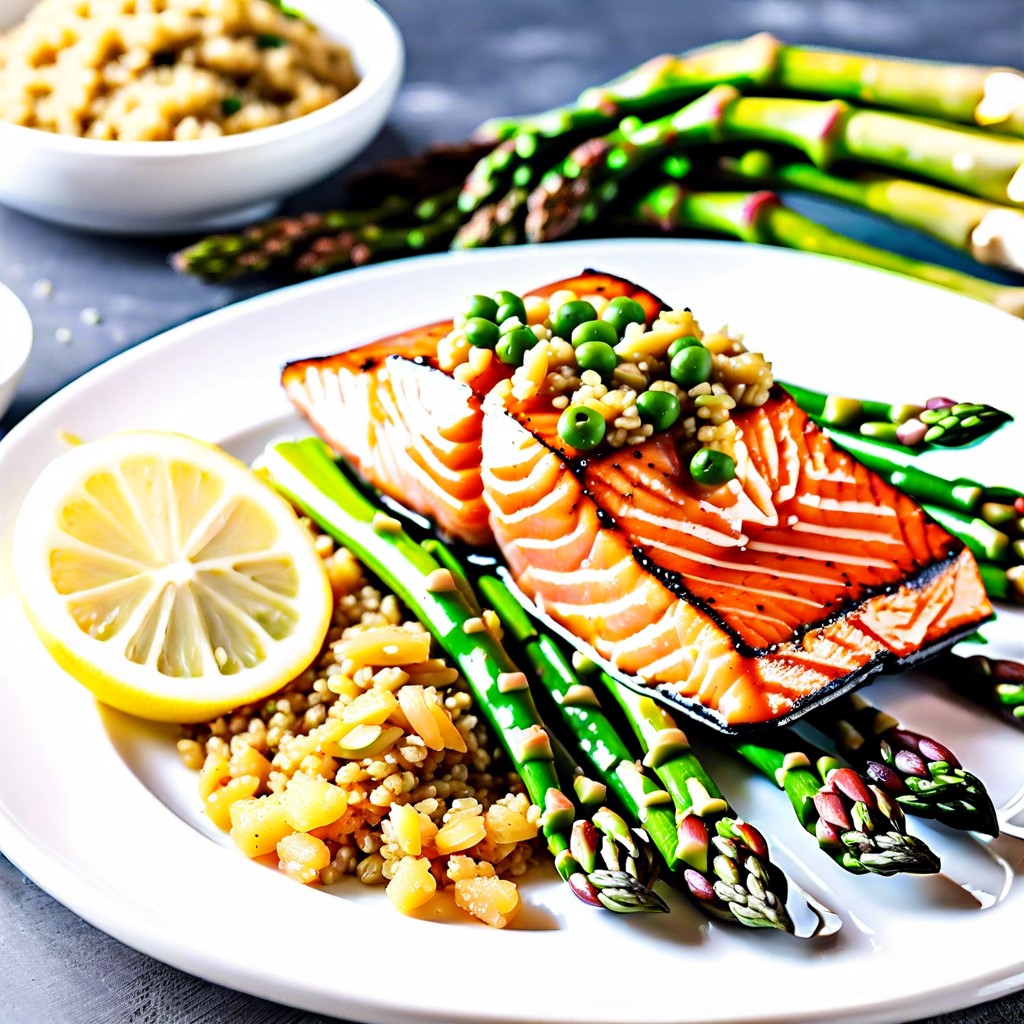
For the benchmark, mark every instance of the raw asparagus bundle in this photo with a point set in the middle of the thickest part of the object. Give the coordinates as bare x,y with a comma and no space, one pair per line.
990,97
921,774
855,822
565,166
825,131
305,473
722,860
996,684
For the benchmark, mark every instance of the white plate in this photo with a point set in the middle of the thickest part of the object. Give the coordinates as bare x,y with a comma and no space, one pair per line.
97,810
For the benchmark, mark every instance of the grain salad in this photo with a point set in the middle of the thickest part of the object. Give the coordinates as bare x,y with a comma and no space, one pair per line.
373,763
160,70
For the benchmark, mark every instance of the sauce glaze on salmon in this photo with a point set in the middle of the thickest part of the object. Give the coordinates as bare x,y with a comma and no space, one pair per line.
803,576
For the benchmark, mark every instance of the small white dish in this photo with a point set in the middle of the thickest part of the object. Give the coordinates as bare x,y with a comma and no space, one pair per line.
146,188
15,345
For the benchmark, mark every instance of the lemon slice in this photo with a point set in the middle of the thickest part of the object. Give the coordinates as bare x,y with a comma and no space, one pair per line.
167,577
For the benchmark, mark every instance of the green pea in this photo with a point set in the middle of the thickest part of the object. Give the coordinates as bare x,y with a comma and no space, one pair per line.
570,315
509,305
581,427
659,408
621,312
514,344
481,333
691,366
597,355
482,306
680,343
594,330
710,467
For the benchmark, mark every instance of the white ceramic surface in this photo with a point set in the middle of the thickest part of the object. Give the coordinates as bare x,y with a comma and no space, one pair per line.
137,188
95,807
15,345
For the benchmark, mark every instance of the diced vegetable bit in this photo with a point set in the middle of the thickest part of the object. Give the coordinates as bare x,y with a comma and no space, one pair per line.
495,901
412,884
461,834
258,824
303,857
218,804
311,803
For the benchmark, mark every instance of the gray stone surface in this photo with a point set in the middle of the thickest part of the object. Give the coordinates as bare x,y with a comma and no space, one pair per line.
468,59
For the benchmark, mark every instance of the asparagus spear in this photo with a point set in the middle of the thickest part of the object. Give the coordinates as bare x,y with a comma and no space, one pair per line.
987,96
855,822
762,217
941,422
316,242
991,97
373,242
752,888
657,82
990,233
921,774
275,241
305,472
997,684
723,860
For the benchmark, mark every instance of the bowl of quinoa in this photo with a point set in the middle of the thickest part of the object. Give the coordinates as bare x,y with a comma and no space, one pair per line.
161,116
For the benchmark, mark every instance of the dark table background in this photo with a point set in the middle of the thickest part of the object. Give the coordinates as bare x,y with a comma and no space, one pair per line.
467,60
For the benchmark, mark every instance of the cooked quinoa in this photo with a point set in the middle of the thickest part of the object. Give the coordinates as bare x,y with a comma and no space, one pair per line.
158,70
373,763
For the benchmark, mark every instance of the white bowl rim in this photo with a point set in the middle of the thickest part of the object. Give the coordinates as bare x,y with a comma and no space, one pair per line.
376,80
17,335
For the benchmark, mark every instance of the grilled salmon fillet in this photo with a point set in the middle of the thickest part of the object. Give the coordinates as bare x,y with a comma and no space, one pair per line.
800,578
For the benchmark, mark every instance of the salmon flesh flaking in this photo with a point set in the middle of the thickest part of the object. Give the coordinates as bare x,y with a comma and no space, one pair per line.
743,603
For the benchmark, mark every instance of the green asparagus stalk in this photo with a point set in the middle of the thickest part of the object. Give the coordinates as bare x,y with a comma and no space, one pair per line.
750,886
762,217
374,242
984,540
305,473
988,232
922,775
276,241
723,860
855,822
996,684
990,97
663,80
942,422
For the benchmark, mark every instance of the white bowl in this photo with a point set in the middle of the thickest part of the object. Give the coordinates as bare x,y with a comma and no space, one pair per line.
164,187
15,345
